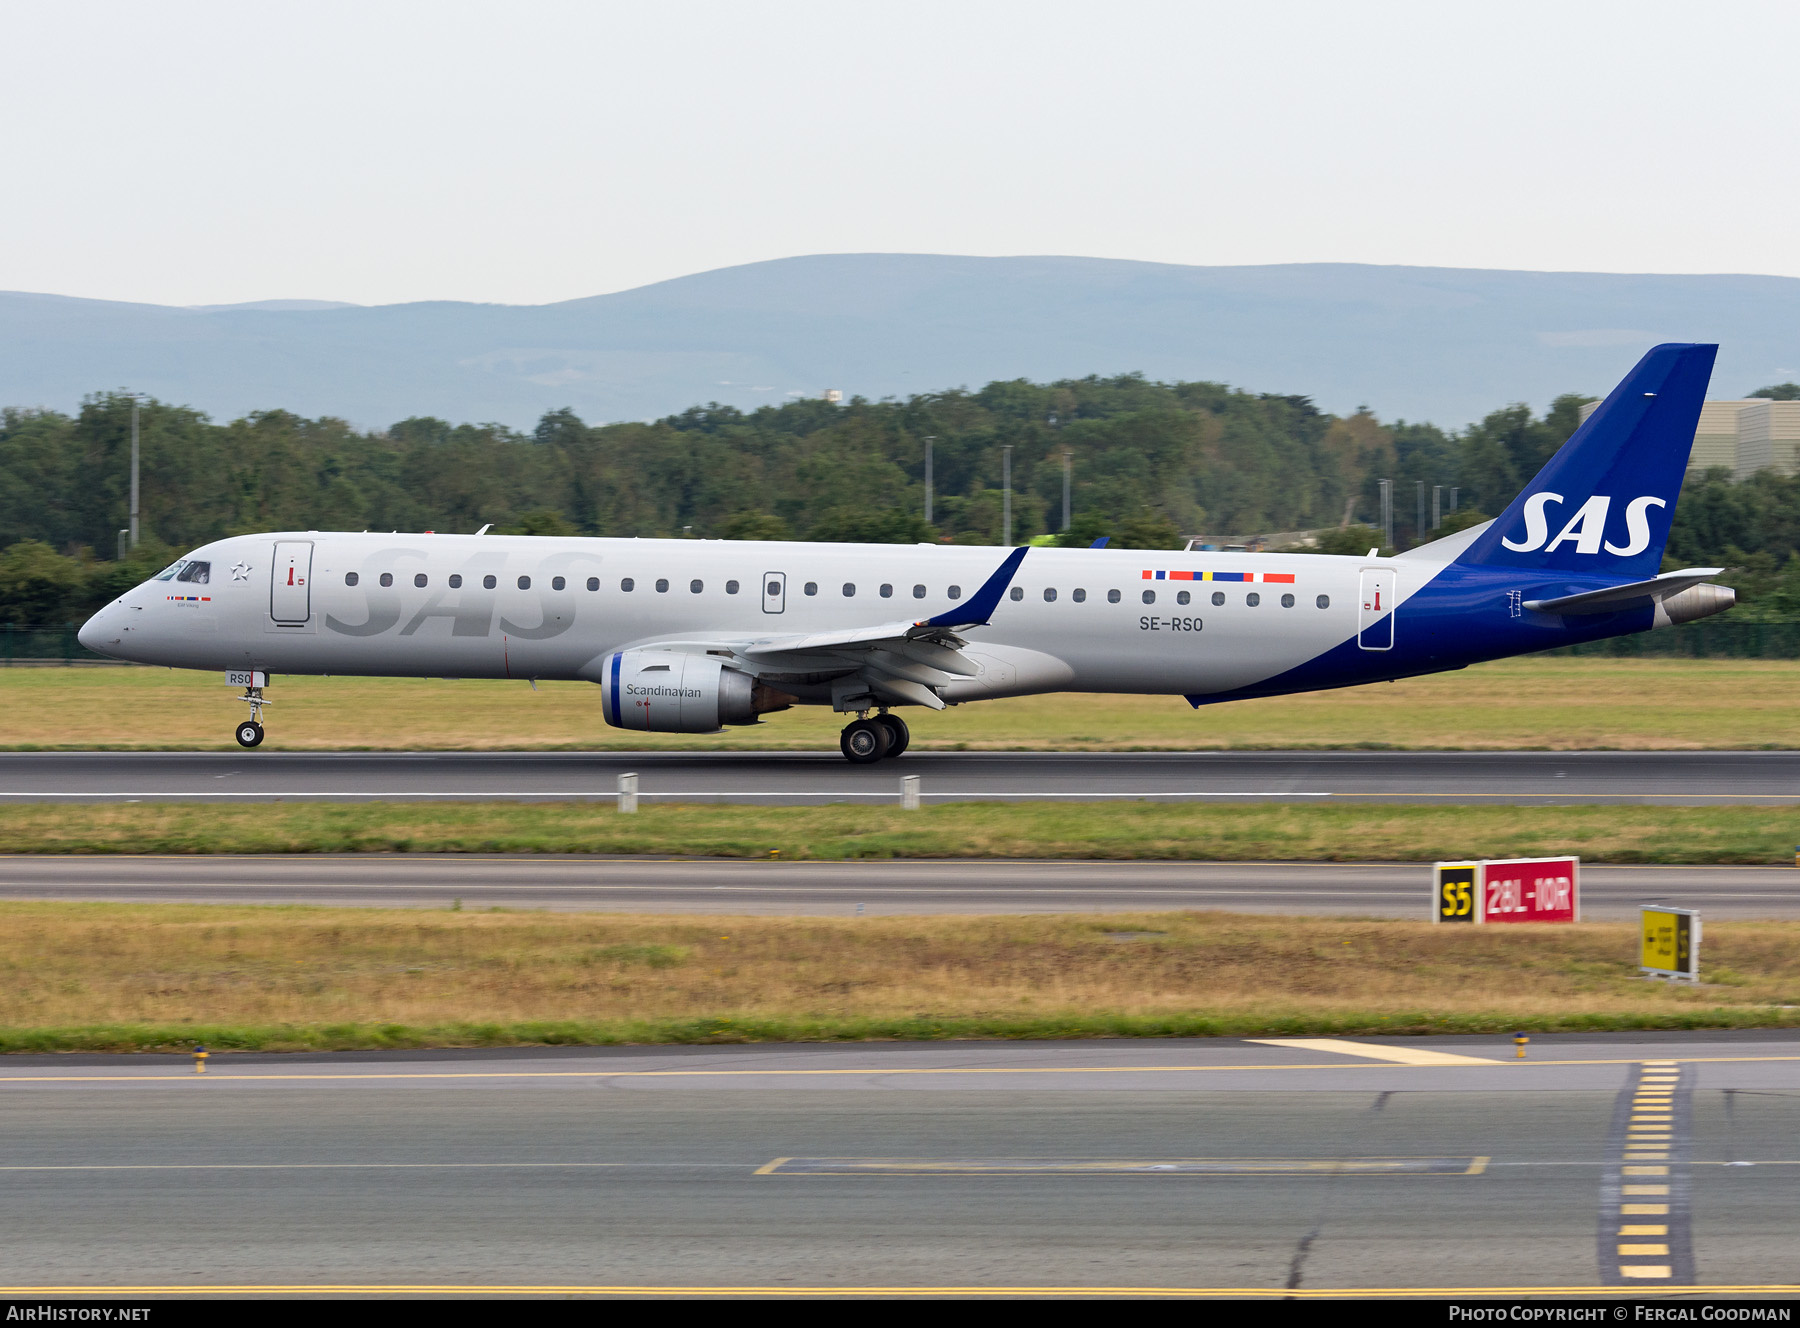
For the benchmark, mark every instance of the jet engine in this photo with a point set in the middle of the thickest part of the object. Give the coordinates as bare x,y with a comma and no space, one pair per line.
663,691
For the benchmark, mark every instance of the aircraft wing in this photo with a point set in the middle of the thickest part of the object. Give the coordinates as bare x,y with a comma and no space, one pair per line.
903,661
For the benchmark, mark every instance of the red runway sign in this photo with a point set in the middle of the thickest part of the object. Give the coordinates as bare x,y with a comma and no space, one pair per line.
1508,890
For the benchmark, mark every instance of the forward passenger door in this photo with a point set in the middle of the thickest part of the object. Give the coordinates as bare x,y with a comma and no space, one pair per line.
290,577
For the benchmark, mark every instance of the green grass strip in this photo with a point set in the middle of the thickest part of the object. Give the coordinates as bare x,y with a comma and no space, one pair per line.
1110,831
720,1031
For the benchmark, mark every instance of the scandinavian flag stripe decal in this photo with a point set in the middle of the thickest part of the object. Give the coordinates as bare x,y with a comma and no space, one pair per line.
1266,578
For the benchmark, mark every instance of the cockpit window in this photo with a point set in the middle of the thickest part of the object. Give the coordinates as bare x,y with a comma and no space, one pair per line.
168,573
200,573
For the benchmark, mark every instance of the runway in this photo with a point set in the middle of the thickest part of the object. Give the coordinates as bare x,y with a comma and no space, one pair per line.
793,778
842,888
1626,1165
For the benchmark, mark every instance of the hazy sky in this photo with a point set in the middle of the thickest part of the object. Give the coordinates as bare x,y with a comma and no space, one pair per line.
527,151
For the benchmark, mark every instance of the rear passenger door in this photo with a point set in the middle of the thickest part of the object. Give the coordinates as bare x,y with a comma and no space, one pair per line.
1375,623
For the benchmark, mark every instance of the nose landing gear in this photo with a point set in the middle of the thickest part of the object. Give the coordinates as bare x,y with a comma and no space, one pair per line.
868,740
250,732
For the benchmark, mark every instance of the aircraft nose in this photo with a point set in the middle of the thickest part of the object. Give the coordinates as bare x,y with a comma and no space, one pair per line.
101,631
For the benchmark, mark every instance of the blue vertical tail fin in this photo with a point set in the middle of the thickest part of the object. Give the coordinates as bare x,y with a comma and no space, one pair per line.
1603,503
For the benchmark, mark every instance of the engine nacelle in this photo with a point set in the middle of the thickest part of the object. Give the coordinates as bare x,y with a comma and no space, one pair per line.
663,691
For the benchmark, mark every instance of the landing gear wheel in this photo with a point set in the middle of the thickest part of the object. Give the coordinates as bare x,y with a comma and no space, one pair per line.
898,734
864,742
249,733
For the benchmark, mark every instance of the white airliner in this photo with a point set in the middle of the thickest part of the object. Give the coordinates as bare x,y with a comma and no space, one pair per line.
687,636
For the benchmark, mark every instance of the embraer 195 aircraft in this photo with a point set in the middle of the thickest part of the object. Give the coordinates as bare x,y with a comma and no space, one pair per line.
687,636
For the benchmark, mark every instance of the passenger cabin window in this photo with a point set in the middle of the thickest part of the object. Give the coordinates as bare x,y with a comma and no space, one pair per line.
593,583
731,587
627,585
557,583
1287,601
419,579
1112,597
1218,598
1078,595
387,578
918,592
887,592
1017,592
849,590
1149,597
695,587
524,583
812,587
1182,597
488,582
955,592
351,578
1323,601
1049,596
456,580
1253,599
200,573
662,585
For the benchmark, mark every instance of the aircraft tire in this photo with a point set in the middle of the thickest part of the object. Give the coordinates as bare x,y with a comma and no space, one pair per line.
864,741
249,734
898,734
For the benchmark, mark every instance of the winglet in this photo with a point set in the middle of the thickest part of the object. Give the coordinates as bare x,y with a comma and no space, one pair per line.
979,607
1100,543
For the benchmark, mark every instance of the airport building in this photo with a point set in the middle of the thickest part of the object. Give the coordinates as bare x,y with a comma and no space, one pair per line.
1743,436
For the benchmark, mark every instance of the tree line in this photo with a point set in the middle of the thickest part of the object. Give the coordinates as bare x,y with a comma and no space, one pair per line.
1151,464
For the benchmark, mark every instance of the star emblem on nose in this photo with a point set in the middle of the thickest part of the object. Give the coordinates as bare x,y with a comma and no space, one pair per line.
240,571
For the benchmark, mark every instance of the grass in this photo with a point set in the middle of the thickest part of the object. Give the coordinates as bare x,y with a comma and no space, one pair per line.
1562,704
1117,831
110,977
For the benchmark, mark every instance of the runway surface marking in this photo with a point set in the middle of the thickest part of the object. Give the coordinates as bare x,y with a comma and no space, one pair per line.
720,793
552,1289
1645,1233
1191,1166
845,794
1398,1055
215,1074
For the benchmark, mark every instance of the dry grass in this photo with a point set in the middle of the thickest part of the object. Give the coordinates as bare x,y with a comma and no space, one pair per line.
109,975
1563,704
1113,830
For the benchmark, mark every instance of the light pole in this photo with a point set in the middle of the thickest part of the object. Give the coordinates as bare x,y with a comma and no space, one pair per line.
1068,471
1419,528
929,440
1006,495
134,471
1387,514
1437,506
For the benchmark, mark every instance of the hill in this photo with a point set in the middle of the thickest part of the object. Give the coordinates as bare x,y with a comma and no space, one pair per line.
1439,344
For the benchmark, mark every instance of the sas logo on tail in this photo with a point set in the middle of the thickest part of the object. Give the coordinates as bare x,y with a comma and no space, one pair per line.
1587,528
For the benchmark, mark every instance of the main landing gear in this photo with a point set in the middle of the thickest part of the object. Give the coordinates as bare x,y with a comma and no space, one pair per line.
250,732
871,739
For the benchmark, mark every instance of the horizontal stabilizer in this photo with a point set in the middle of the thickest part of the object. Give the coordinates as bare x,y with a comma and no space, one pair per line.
1613,599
